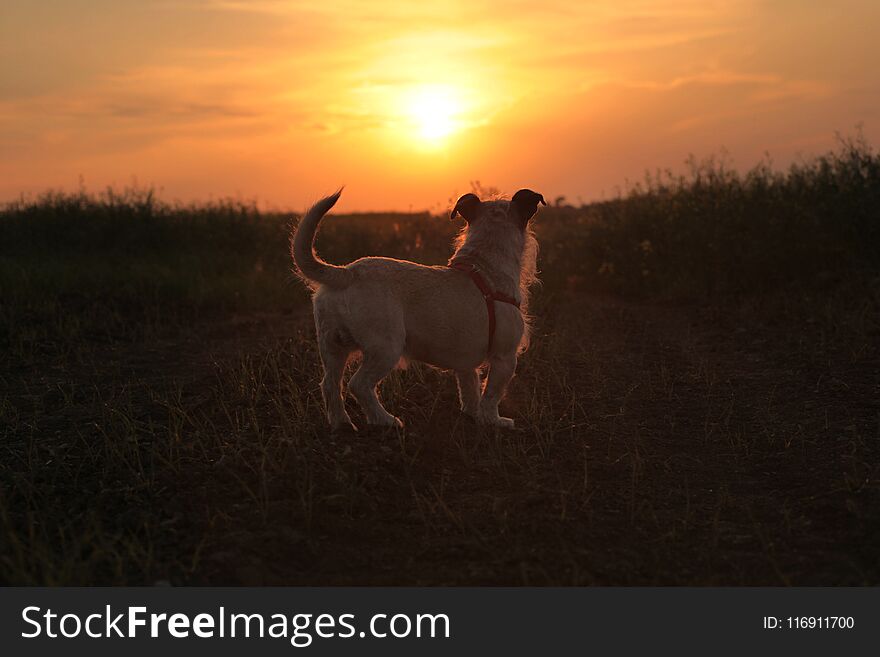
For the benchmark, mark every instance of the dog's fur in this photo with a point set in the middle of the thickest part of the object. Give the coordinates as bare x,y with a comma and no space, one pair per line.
395,310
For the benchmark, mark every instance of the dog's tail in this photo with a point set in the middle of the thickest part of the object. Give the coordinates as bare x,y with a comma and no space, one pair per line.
311,268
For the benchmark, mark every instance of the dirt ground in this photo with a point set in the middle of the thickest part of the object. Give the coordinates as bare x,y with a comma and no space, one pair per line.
655,445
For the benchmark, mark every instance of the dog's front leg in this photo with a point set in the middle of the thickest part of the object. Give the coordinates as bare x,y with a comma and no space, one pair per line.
469,391
501,370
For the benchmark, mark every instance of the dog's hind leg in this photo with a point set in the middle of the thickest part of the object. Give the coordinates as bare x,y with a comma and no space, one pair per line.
334,355
501,371
469,391
378,361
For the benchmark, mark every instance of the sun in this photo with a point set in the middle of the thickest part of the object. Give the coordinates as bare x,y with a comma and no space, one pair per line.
434,110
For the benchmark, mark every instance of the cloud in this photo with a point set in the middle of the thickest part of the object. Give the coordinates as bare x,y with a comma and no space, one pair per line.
791,90
193,78
706,78
760,88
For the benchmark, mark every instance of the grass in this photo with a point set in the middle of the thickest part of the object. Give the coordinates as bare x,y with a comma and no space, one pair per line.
699,405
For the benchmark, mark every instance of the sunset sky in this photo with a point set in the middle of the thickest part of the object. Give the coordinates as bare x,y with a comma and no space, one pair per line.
406,102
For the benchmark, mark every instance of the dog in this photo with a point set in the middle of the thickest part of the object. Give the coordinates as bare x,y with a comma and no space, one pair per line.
460,317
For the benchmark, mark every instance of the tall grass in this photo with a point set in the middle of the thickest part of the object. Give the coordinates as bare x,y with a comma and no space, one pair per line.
122,264
714,231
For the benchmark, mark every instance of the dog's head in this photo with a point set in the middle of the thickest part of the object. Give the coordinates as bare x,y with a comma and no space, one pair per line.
518,211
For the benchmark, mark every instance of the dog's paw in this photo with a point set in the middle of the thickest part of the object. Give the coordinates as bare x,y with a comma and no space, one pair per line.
470,418
496,421
391,422
343,428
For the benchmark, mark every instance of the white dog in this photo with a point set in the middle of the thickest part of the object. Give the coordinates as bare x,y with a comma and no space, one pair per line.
458,317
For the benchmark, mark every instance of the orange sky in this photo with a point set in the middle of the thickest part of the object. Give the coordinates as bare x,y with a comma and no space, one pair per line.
406,102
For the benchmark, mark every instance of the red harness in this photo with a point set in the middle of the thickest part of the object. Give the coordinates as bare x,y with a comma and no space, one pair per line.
488,294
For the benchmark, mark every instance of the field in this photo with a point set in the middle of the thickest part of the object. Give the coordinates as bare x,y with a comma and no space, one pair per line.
699,405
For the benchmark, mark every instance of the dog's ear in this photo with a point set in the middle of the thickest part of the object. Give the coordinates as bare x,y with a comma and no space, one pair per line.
526,203
468,206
